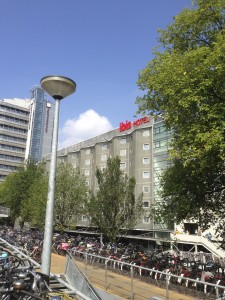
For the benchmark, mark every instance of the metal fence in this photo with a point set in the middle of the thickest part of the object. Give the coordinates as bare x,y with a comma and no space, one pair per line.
199,289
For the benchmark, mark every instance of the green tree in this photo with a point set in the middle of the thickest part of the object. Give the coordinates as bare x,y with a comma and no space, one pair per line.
70,196
184,82
14,191
114,207
34,208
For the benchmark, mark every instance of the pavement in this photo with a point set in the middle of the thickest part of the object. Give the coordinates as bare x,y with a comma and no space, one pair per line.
121,287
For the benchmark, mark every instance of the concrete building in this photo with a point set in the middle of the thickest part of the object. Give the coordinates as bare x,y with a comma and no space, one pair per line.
14,120
142,146
26,127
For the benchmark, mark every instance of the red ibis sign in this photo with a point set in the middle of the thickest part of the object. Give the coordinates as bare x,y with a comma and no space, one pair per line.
128,125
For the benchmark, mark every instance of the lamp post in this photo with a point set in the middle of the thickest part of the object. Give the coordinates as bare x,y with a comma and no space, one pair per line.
58,87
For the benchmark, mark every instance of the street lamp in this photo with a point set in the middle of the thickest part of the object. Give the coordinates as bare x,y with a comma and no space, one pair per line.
58,87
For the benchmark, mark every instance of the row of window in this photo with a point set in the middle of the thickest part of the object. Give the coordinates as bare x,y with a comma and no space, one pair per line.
12,129
145,174
14,110
11,158
123,152
12,148
87,162
145,220
14,120
146,188
12,138
6,167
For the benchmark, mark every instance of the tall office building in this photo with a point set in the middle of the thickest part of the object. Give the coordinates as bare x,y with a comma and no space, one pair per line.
26,127
39,140
142,146
14,119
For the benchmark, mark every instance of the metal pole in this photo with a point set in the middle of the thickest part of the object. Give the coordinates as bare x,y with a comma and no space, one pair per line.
167,286
106,277
132,282
49,217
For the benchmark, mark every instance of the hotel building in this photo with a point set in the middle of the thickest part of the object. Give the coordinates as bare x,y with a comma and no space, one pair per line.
142,146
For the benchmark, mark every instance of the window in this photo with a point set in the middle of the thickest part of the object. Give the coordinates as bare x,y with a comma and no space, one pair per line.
146,174
88,151
146,220
74,164
146,133
123,141
123,152
145,204
103,157
146,147
157,144
84,218
87,172
146,160
104,146
157,130
146,189
87,183
103,167
87,161
122,165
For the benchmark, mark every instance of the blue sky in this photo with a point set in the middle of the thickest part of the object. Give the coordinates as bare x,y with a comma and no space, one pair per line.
101,44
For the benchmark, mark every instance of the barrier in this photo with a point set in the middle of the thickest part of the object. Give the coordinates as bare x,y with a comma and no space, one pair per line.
197,288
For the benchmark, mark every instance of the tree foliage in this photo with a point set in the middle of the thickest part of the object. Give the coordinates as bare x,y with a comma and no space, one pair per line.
34,208
114,206
184,82
14,191
70,196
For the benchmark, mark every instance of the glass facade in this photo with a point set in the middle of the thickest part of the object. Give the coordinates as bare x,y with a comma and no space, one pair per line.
35,146
41,125
161,140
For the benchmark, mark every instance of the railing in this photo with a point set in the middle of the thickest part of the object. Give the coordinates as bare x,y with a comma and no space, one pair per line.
77,279
200,240
197,288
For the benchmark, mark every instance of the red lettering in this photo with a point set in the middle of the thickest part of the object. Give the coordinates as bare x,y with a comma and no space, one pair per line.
127,125
137,123
146,119
122,126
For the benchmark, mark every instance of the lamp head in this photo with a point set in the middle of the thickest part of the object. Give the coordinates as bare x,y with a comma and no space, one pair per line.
58,87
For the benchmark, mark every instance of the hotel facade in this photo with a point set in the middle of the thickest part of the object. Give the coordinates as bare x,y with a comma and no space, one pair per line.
142,146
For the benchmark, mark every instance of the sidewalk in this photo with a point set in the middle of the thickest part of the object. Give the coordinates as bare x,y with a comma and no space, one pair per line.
117,284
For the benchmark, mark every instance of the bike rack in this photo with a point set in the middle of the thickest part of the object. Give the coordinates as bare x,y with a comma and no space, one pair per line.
56,283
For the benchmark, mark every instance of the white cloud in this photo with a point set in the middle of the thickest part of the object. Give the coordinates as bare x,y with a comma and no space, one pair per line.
87,125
